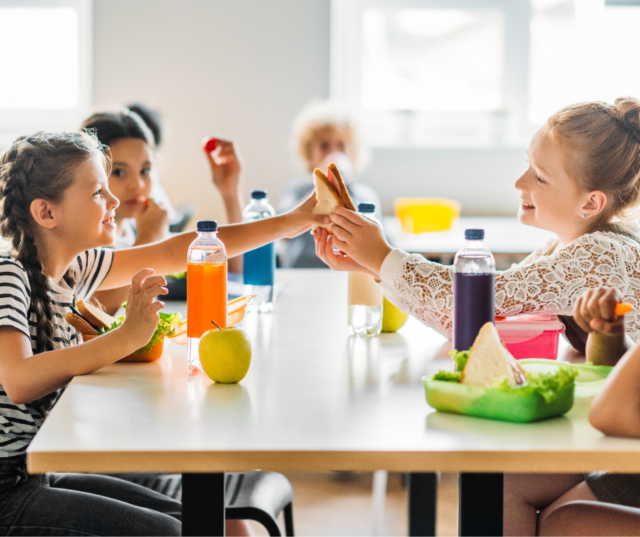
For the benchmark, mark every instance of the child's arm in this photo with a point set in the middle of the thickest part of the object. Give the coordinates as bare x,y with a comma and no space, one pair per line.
226,166
594,312
26,377
170,255
616,409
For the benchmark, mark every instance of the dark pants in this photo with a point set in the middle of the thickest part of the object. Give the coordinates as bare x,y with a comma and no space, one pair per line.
82,504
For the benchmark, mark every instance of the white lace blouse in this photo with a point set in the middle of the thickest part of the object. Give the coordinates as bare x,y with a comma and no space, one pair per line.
541,283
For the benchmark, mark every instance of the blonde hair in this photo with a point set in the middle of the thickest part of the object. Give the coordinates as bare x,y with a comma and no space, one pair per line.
603,142
322,117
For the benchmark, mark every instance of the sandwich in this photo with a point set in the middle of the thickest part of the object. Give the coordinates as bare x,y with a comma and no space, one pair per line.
489,360
331,192
91,321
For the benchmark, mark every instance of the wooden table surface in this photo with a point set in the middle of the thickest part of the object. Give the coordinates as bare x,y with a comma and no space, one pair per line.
314,399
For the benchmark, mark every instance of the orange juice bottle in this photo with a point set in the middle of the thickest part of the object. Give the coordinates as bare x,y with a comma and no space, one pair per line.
206,288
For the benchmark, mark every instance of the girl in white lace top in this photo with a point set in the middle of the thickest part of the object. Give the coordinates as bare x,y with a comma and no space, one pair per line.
581,183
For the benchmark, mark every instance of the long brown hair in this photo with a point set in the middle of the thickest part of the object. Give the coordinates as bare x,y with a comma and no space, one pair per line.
40,166
603,143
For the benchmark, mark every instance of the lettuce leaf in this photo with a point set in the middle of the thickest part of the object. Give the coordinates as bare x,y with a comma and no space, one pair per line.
166,327
547,385
447,376
177,275
459,359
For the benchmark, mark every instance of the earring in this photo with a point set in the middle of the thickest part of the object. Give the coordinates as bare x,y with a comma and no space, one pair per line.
585,215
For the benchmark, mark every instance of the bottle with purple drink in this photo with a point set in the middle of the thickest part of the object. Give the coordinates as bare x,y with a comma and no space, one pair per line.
474,289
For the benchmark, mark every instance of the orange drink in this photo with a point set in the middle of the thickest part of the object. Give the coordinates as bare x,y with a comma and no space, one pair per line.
206,297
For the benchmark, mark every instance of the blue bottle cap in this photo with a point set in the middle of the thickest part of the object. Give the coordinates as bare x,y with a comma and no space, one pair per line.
474,234
259,194
207,225
367,207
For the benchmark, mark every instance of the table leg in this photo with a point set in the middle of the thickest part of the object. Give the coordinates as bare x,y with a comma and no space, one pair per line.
423,492
203,504
480,506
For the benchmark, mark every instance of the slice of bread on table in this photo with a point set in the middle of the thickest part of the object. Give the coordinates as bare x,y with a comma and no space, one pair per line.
490,360
331,192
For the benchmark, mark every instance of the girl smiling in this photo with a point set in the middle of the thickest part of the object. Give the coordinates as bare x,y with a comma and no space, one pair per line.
581,183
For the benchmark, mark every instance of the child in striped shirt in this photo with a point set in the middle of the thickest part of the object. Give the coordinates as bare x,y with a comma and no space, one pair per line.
58,214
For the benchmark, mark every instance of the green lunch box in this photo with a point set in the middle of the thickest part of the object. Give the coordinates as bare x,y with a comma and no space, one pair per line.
497,404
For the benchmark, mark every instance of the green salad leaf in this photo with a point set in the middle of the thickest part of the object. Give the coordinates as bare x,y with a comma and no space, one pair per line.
177,275
447,376
166,327
548,385
459,359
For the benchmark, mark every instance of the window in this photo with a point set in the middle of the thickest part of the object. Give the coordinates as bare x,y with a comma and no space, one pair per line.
477,72
45,53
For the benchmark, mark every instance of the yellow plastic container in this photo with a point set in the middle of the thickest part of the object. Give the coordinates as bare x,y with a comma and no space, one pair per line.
418,215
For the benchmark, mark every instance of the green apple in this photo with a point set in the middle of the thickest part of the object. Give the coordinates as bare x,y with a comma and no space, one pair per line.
225,354
392,318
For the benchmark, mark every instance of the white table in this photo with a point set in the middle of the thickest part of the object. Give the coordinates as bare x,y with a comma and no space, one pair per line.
313,400
506,237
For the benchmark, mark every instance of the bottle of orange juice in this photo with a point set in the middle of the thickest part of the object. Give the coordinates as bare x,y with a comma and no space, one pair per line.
206,288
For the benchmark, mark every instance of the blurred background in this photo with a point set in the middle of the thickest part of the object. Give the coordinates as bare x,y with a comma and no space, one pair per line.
449,92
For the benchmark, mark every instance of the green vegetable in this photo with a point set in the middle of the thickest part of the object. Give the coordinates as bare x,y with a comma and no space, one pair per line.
447,376
459,359
548,385
166,327
177,275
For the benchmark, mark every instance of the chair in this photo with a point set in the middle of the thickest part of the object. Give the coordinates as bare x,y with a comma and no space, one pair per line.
259,496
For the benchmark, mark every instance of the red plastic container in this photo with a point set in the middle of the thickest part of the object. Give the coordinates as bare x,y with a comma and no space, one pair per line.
531,336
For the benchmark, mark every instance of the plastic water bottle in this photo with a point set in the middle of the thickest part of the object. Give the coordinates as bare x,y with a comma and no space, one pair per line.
474,289
259,265
206,288
365,296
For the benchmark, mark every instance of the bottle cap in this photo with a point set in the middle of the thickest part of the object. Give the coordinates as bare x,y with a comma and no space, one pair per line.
207,225
259,194
474,234
367,207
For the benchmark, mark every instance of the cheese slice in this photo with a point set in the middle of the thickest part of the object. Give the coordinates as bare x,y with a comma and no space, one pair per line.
490,360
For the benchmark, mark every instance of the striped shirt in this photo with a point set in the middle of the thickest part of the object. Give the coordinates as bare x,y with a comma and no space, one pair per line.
20,423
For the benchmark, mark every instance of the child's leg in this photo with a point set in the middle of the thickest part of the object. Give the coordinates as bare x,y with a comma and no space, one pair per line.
591,518
37,508
133,494
579,512
526,494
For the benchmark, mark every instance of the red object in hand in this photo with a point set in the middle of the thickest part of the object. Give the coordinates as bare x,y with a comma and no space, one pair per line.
210,145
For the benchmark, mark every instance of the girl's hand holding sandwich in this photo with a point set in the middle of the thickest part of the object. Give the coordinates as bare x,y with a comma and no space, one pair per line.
361,242
595,313
302,218
142,317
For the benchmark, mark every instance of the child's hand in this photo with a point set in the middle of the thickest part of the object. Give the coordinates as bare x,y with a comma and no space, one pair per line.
335,259
361,239
594,311
152,222
301,218
142,316
226,165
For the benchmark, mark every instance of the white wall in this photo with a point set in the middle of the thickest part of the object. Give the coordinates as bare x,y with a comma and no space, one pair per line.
244,68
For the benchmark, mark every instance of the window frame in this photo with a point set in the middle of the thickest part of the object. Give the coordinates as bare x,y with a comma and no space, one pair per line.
15,122
508,127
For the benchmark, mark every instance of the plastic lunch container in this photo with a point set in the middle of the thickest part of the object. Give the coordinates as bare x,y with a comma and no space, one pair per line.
531,336
494,403
511,406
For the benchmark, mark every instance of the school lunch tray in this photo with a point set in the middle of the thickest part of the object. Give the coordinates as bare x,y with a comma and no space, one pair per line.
497,404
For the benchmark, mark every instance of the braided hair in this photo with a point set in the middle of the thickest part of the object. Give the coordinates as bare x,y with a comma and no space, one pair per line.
603,143
40,166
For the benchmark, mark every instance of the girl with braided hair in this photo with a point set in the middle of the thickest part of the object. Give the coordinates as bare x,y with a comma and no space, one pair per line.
58,214
582,182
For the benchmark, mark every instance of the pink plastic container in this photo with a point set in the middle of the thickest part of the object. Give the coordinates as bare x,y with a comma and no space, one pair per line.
531,336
